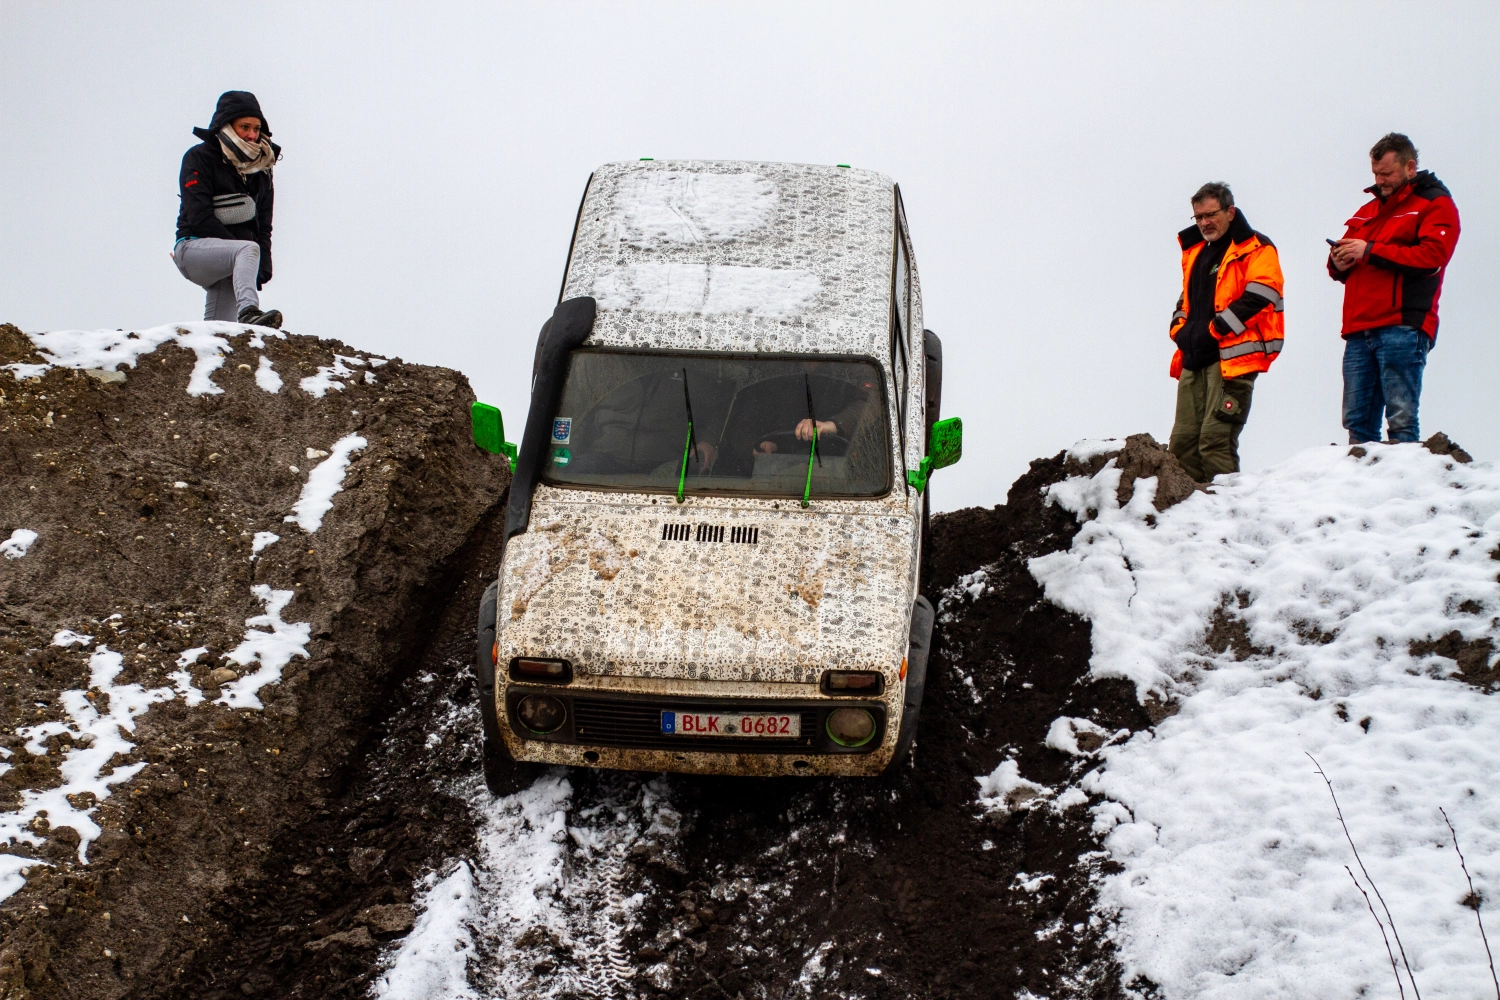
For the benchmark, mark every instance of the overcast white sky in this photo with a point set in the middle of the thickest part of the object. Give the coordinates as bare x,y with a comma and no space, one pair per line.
435,154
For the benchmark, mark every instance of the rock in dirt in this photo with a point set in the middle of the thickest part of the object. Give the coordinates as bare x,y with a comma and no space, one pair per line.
357,938
148,503
392,918
364,860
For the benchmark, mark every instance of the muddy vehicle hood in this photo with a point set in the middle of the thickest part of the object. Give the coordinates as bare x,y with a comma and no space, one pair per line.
729,593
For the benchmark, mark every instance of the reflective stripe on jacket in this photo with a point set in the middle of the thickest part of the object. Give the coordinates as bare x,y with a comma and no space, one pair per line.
1248,320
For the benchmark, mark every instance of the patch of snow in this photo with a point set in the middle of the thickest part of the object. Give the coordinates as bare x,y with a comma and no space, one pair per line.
1031,883
1233,880
262,540
1063,735
328,376
67,637
182,679
106,350
266,377
12,869
707,289
325,480
258,335
1091,448
693,207
431,962
1071,797
85,768
22,372
273,650
18,543
1004,791
813,969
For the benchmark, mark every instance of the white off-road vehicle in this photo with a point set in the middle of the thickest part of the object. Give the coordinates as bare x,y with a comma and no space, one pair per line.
715,524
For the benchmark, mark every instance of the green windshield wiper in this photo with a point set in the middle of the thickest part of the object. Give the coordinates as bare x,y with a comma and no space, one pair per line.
690,446
813,453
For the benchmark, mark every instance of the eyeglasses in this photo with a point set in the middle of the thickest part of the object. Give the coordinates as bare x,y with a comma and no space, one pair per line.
1203,217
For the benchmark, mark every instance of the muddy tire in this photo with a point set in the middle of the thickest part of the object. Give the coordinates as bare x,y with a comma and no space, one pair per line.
503,774
922,617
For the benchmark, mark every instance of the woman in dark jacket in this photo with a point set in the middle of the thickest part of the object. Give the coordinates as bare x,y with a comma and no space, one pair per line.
224,225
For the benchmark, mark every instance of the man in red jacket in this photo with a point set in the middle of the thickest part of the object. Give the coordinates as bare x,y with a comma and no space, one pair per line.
1391,261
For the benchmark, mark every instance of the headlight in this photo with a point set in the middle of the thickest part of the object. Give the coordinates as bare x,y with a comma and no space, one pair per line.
865,682
850,727
541,713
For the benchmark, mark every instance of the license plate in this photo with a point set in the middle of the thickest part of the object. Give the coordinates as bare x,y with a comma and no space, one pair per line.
781,727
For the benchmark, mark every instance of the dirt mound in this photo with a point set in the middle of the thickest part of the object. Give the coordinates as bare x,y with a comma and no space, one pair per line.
1441,444
152,512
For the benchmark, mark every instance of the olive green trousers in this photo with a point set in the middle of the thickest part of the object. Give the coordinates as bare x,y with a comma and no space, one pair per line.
1211,412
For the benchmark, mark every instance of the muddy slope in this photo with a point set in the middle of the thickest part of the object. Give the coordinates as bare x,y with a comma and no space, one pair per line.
145,501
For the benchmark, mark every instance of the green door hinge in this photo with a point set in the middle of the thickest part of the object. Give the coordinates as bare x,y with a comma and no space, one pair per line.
917,477
489,432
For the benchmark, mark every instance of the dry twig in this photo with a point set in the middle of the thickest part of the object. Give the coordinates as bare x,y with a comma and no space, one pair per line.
1475,897
1394,971
1360,861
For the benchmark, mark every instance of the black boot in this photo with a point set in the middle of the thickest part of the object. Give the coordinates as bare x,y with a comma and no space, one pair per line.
251,316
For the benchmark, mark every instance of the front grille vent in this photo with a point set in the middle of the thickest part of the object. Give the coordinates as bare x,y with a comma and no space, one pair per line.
681,531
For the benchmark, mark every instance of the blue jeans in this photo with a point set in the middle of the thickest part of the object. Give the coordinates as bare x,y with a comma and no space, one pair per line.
1383,372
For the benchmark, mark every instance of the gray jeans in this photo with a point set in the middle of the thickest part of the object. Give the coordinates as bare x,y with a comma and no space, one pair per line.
227,268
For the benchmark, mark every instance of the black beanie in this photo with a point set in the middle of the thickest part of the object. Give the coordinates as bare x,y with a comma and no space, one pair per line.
234,104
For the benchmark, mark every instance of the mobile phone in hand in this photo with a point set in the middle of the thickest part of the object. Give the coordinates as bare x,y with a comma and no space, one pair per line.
1332,243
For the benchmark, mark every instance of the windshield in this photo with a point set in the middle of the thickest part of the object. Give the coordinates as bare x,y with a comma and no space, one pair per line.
658,422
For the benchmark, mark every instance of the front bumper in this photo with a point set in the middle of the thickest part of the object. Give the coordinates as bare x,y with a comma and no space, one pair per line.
623,730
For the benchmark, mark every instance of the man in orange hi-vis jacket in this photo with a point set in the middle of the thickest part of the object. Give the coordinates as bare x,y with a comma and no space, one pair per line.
1228,329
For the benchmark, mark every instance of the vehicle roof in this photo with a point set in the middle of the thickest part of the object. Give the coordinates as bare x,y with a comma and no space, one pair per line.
735,255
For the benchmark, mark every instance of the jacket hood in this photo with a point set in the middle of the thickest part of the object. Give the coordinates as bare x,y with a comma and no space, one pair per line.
1424,185
235,104
1239,231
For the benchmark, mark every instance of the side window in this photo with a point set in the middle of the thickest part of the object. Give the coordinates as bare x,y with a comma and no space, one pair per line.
900,319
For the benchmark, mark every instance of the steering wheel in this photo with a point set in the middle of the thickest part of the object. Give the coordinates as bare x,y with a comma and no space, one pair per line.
786,442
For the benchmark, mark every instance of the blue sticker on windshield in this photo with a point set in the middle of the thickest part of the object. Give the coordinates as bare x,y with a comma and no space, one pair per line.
562,430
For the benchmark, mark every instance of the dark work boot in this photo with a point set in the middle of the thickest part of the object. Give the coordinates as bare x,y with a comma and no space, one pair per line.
251,316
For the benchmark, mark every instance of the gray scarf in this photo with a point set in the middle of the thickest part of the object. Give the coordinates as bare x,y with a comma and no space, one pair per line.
247,157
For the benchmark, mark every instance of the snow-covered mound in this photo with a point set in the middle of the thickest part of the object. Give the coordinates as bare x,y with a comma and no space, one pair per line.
1341,605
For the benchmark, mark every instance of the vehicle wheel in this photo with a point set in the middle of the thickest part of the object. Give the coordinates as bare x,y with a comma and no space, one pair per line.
922,617
503,774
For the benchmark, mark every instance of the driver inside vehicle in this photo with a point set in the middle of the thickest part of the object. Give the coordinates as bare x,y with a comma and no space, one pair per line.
856,400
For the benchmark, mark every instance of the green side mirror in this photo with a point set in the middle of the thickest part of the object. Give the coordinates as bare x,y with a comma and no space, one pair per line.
489,432
945,444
